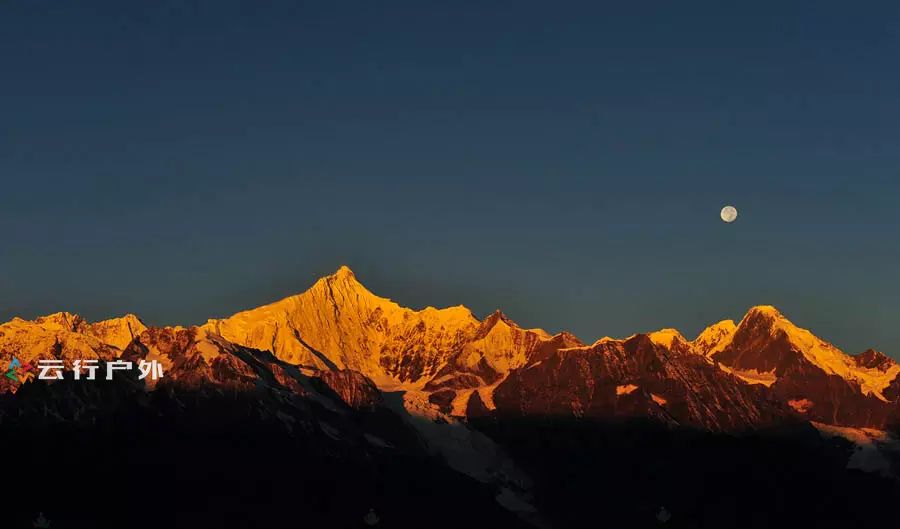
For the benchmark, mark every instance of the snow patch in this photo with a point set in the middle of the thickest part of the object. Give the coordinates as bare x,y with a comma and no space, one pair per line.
465,450
330,431
666,337
460,402
870,445
801,405
487,395
513,502
377,441
828,357
714,338
752,376
627,389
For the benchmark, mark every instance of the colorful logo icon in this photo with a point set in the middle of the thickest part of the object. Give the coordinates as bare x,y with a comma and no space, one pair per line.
19,372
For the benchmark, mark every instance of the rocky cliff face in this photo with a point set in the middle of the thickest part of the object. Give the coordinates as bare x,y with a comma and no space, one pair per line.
731,376
246,434
66,336
636,378
812,376
63,336
338,385
338,323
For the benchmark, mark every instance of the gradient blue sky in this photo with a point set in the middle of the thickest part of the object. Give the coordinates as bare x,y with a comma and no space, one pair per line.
567,163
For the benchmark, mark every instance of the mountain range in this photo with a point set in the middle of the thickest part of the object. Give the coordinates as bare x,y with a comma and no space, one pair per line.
356,374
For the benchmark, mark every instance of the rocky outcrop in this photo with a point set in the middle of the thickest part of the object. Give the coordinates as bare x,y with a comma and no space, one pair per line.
354,388
358,345
345,393
339,324
635,378
835,388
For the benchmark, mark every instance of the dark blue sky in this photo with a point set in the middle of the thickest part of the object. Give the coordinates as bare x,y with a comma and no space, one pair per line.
566,163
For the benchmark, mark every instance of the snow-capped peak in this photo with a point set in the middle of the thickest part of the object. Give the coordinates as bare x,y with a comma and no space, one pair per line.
344,271
870,358
765,325
765,310
714,338
666,337
60,321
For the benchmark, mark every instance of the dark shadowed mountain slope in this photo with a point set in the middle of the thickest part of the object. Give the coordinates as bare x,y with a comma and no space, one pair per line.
636,378
812,376
231,437
315,409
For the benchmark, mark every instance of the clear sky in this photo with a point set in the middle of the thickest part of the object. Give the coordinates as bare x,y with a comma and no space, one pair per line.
566,163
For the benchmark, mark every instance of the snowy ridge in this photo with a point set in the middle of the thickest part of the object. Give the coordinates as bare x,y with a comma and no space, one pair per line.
460,362
69,335
338,323
826,356
667,337
714,338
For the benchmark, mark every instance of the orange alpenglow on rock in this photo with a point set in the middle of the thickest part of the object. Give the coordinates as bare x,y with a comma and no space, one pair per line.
448,363
68,336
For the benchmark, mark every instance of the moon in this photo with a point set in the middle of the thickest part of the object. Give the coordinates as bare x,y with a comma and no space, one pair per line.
729,214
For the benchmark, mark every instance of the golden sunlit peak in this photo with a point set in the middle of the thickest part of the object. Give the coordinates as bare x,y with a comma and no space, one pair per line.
342,276
132,317
766,310
344,272
63,320
60,316
666,337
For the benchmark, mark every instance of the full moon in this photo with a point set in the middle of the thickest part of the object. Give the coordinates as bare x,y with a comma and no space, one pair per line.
729,213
